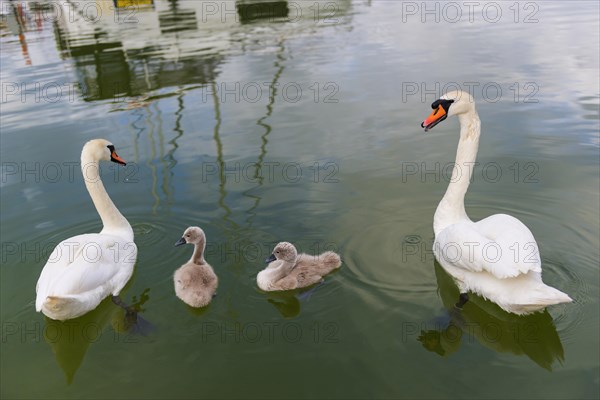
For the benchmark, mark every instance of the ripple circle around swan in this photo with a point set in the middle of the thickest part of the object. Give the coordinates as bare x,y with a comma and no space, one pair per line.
148,233
570,316
383,256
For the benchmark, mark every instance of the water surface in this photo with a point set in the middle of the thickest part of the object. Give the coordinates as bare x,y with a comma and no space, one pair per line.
299,121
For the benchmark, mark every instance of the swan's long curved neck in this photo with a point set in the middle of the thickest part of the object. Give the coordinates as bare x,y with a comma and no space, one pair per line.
451,208
198,256
114,222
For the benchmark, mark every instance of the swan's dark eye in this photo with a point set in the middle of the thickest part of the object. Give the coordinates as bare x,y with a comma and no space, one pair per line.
444,103
188,235
277,252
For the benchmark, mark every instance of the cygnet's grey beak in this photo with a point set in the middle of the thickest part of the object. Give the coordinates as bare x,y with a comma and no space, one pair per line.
270,259
180,242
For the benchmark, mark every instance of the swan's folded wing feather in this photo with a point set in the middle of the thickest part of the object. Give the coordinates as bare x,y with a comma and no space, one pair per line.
288,282
504,250
83,263
515,239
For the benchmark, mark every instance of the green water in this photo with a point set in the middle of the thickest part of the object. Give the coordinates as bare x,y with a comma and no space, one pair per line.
299,121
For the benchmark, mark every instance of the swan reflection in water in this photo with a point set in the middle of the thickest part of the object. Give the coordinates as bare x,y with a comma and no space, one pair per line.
533,335
288,303
70,339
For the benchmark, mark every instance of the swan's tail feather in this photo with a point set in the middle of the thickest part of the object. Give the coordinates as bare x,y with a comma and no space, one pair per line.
331,260
57,302
548,296
532,300
62,307
541,298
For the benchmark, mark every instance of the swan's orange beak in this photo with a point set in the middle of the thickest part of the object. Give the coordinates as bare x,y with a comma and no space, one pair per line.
115,158
437,116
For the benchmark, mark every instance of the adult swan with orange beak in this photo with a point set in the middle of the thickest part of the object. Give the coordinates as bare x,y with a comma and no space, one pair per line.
84,269
510,274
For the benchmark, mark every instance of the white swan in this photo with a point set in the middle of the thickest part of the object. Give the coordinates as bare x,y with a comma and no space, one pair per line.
496,257
84,269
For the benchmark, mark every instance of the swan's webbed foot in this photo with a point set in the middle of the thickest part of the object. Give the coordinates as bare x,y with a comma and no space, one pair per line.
128,309
117,300
132,321
306,295
462,300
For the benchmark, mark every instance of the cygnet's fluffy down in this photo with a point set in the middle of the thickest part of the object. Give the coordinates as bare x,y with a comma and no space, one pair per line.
289,270
195,282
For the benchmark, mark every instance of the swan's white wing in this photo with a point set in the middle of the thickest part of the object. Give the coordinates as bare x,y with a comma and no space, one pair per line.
85,263
501,245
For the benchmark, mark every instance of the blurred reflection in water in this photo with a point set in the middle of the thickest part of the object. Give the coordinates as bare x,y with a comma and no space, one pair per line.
70,339
286,303
289,304
250,11
533,335
176,19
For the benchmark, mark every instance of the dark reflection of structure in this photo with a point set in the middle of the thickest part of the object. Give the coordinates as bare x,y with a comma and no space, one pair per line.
172,161
220,158
70,339
232,234
253,10
110,66
103,70
106,70
533,335
258,173
152,72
